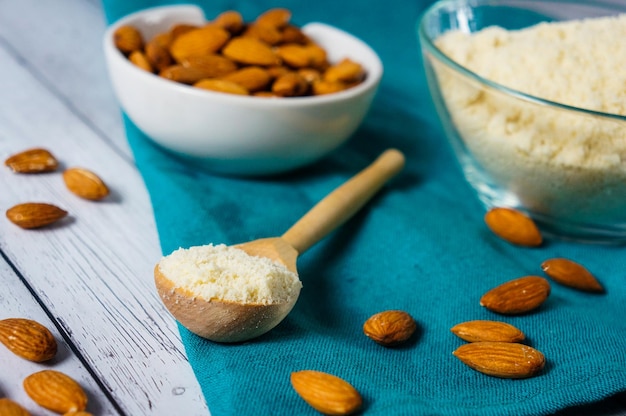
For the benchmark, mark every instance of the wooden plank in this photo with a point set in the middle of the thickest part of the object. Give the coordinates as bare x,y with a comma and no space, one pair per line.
17,302
94,270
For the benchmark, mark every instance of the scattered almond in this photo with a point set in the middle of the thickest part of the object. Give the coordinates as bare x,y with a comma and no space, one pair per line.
517,296
128,39
572,274
326,393
484,330
55,391
34,214
10,408
85,184
502,359
35,160
513,226
27,338
390,328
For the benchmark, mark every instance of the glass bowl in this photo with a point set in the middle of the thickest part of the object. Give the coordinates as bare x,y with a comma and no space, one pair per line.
563,165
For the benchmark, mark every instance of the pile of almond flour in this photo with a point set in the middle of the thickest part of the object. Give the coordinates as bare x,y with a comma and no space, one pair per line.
559,163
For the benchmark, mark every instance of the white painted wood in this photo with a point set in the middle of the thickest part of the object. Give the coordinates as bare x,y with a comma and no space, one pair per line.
92,272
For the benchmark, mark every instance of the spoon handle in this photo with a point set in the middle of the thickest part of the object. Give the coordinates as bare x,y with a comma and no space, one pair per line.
338,206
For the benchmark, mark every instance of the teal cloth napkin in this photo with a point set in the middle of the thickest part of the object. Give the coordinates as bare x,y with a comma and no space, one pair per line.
420,246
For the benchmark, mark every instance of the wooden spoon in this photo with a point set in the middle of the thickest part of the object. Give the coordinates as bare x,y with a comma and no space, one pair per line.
228,321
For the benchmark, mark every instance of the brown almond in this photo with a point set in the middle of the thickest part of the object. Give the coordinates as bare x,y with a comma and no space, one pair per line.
517,296
220,85
158,54
390,328
265,33
180,29
203,41
28,339
252,78
55,391
291,84
10,408
85,184
277,17
326,393
293,34
485,330
502,359
250,51
34,214
34,160
140,60
127,39
210,66
345,71
294,55
230,20
513,226
321,87
572,274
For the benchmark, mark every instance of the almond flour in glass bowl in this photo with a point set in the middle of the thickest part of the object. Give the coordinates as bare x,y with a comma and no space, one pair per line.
531,96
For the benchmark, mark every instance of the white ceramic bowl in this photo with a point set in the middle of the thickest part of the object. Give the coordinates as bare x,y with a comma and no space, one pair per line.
240,135
563,165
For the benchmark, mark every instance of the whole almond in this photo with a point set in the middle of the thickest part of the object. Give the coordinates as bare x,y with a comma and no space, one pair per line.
517,296
294,55
326,393
35,160
572,274
10,408
502,359
127,39
157,52
139,59
230,20
27,338
55,391
291,84
277,17
485,330
250,51
34,214
513,226
390,328
203,41
85,184
220,85
252,78
345,71
265,33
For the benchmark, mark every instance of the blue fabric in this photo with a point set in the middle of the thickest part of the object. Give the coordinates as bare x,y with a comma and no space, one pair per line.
420,245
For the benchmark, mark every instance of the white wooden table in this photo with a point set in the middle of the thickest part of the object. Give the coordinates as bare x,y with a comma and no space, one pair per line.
89,279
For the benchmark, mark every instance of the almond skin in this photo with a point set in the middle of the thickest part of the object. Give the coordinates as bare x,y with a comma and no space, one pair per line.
34,214
55,391
28,339
390,328
484,330
517,296
35,160
10,408
513,226
502,359
326,393
572,274
85,184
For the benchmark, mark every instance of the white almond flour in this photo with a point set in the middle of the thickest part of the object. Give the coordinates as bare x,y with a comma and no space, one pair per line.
557,163
227,273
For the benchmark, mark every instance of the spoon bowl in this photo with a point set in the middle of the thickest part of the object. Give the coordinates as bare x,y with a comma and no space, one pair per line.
222,320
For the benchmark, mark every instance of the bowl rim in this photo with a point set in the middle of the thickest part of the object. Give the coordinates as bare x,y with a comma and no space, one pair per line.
430,46
374,71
